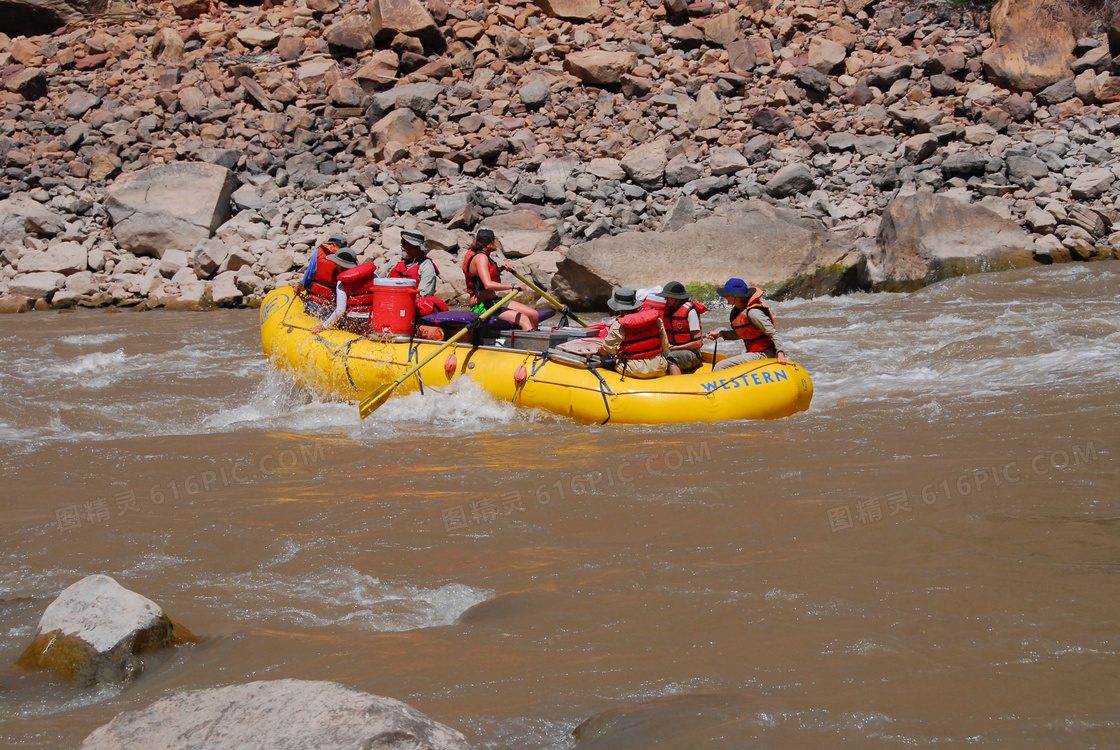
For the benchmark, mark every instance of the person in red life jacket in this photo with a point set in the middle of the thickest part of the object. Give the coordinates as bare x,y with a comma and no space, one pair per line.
483,283
637,338
320,280
416,265
353,301
752,322
682,325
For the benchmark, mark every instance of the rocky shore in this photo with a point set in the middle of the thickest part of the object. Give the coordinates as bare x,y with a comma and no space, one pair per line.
188,154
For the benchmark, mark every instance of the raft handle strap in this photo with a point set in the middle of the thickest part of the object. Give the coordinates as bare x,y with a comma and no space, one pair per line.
603,390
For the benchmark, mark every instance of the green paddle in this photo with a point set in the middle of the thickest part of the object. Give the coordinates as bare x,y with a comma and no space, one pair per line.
548,297
374,400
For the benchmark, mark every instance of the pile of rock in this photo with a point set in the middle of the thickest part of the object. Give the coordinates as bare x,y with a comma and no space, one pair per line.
98,633
557,123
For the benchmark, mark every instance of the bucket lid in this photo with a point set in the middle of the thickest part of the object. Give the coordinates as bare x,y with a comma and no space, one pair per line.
395,282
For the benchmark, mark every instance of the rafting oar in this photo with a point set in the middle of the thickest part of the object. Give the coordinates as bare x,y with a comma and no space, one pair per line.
548,298
374,400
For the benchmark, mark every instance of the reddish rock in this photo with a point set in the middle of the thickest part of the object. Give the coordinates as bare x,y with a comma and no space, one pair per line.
741,57
570,10
190,9
346,93
400,125
391,17
379,72
289,48
720,30
1028,55
598,67
30,83
92,62
352,33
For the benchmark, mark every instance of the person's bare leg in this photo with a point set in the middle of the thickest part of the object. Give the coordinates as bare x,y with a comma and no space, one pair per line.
525,317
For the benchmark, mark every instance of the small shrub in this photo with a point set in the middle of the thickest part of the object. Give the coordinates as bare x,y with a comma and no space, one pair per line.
702,292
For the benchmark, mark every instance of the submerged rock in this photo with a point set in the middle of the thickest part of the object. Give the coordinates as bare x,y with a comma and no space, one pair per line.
96,629
303,714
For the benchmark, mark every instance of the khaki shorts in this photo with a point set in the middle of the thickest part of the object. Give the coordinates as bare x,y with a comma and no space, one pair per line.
686,359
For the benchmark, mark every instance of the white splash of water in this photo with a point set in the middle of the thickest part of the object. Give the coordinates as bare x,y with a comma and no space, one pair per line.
334,595
92,339
95,370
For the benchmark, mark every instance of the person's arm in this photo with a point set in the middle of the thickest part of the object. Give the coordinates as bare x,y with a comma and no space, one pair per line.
761,321
488,283
693,325
613,340
427,285
339,308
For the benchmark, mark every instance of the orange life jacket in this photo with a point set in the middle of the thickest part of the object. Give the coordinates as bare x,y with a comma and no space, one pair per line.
358,284
474,281
676,323
641,335
321,288
754,339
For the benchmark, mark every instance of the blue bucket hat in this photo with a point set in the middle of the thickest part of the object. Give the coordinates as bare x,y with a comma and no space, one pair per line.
734,288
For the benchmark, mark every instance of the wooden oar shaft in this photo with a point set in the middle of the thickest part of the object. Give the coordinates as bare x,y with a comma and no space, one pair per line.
548,297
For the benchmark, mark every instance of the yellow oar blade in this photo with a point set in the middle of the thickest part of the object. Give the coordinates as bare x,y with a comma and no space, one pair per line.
373,401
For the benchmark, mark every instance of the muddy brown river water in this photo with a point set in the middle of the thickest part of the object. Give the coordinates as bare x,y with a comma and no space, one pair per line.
928,557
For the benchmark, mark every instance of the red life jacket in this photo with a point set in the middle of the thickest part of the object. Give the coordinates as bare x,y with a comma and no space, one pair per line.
429,305
321,288
402,271
358,284
641,335
424,305
474,281
676,323
755,340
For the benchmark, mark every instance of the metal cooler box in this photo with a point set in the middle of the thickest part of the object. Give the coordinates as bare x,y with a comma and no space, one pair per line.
542,341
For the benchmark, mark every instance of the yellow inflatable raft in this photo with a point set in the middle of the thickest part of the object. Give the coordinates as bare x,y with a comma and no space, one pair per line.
343,365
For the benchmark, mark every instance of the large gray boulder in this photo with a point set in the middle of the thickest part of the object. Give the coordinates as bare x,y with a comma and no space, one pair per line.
790,180
60,257
925,238
646,163
37,285
22,215
169,206
523,232
303,714
760,242
95,632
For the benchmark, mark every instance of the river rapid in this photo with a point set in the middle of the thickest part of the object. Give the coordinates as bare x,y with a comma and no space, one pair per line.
929,556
